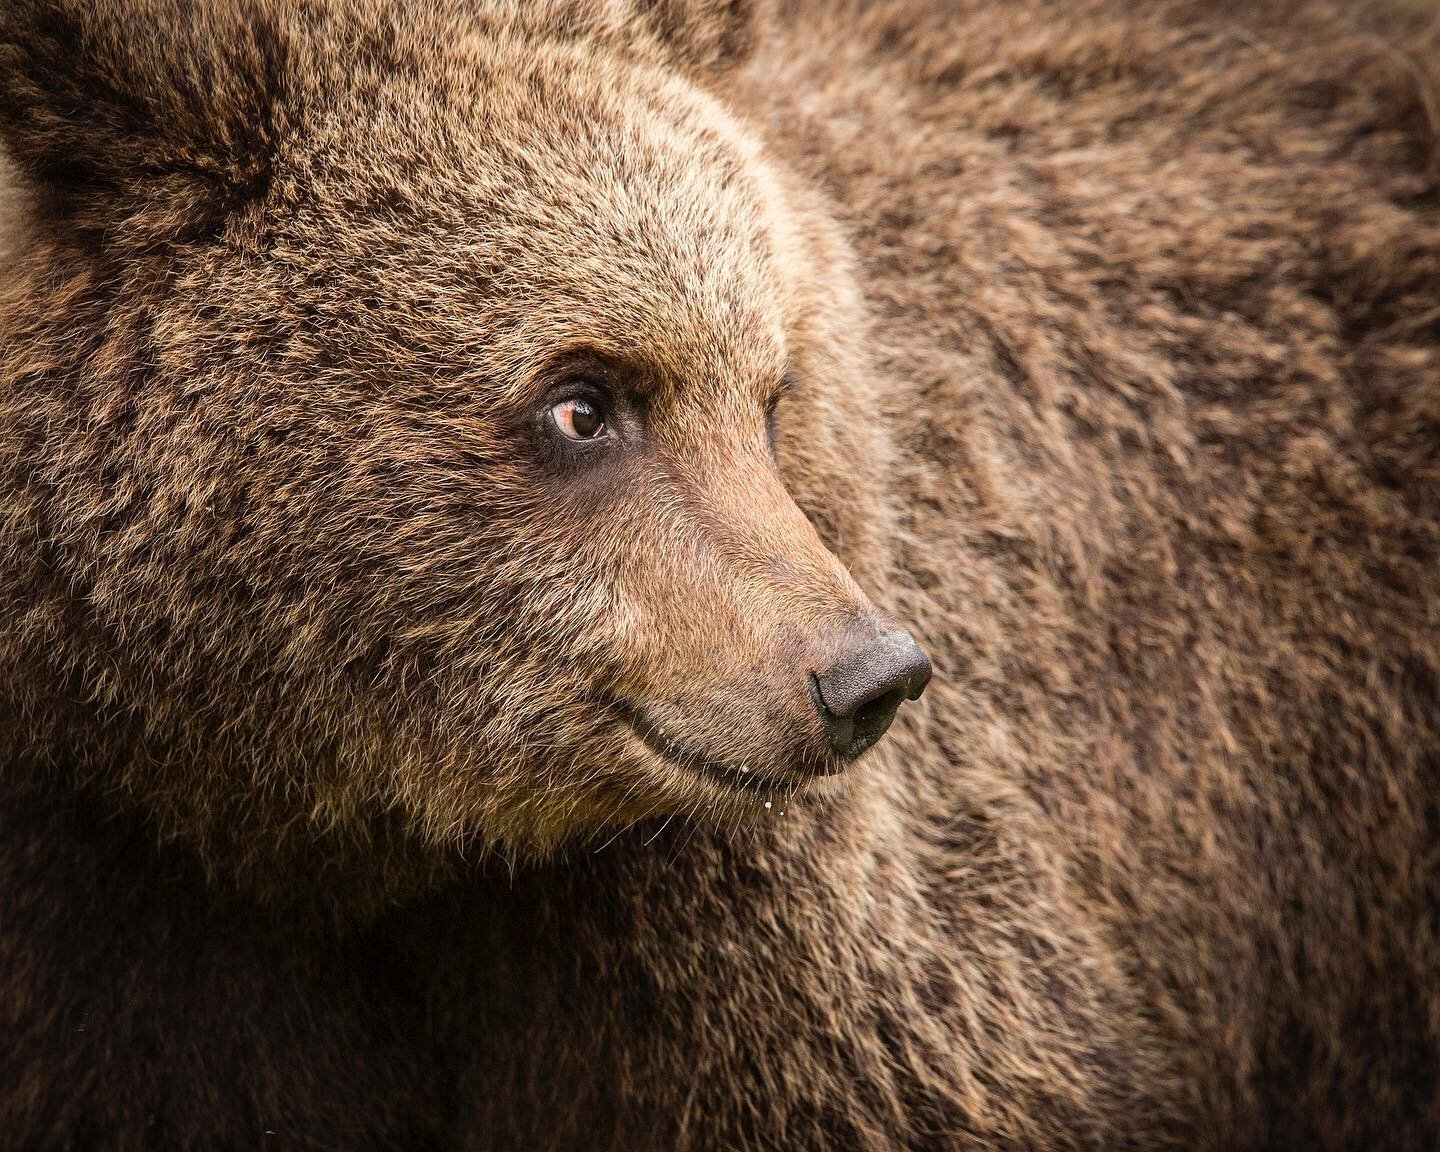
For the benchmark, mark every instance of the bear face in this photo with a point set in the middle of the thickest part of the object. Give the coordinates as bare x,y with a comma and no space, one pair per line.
416,445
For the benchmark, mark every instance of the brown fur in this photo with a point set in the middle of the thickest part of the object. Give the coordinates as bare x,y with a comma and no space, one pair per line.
1113,336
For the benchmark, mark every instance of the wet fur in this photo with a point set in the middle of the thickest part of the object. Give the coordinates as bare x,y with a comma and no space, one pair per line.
1115,339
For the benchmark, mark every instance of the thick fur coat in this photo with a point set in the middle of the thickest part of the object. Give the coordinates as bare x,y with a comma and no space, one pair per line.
1103,347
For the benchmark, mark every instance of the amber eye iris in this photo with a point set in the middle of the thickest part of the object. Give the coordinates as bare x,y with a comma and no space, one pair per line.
579,419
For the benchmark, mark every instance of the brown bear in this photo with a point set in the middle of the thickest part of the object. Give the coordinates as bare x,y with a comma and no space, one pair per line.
473,476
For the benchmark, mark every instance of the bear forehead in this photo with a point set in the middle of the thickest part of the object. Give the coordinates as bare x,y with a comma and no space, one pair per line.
547,200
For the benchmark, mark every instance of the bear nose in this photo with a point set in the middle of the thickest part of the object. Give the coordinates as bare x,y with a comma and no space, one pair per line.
858,697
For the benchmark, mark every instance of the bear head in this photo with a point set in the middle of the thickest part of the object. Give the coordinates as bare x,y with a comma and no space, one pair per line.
447,416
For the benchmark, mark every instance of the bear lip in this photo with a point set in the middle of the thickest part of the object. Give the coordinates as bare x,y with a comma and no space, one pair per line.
672,752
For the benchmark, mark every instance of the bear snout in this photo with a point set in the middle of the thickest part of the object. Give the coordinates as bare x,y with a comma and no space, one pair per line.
867,672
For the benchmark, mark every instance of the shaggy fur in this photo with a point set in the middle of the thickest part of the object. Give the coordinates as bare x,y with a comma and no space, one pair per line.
1112,336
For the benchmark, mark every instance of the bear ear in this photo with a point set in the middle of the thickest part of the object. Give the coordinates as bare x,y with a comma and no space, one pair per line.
708,36
145,120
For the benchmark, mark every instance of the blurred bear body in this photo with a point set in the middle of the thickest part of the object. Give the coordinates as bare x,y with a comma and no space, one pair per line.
1116,371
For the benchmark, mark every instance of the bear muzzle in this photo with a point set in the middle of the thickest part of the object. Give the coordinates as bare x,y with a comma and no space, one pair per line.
855,700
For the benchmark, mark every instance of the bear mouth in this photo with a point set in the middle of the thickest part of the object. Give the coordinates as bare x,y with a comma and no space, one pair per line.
672,751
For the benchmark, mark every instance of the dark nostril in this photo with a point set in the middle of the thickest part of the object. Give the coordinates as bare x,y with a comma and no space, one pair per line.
858,697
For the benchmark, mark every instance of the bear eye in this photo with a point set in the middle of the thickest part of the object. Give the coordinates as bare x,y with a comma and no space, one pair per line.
579,419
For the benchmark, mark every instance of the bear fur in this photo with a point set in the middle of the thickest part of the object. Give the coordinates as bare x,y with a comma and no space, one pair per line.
1112,341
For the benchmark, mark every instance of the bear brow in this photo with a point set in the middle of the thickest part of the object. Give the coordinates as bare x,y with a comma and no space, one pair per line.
614,369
